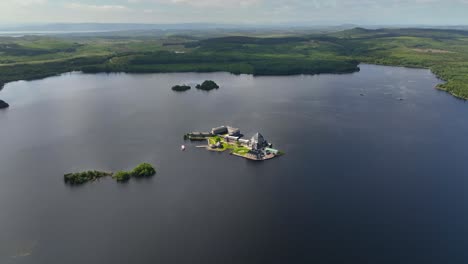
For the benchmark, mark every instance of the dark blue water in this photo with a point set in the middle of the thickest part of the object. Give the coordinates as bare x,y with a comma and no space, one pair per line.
366,179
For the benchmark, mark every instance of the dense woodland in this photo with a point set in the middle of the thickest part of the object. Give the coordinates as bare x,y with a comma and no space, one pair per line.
445,52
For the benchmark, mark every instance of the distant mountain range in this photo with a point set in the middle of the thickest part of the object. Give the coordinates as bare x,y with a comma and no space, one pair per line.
94,27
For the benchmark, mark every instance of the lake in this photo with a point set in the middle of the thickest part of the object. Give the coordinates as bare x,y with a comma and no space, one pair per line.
375,170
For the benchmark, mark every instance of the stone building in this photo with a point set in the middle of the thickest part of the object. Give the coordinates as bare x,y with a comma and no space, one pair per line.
258,142
222,130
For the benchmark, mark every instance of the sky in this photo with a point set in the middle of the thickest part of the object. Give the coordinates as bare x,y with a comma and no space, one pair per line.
301,12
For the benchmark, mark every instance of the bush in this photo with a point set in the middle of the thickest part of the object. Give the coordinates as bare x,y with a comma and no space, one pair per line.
208,86
83,177
143,170
181,88
122,176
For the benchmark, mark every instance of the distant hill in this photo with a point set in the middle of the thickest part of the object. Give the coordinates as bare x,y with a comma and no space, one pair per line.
104,27
359,32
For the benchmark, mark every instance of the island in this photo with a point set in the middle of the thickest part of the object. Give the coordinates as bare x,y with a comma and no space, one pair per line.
225,138
3,104
83,177
142,170
181,88
207,85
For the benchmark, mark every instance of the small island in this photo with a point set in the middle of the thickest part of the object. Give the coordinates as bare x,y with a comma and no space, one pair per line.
141,171
3,104
181,88
207,85
226,138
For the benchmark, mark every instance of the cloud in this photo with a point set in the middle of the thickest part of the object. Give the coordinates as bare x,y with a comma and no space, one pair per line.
24,3
104,8
204,3
237,11
32,2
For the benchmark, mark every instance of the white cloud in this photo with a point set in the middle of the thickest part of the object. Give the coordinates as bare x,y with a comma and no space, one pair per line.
205,3
31,2
104,8
237,11
22,3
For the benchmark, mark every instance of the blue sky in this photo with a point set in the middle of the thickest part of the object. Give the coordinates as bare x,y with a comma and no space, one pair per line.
364,12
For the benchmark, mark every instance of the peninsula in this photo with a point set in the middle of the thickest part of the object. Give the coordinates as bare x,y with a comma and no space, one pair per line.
225,138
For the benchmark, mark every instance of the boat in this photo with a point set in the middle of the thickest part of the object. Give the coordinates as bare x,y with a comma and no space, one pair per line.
182,147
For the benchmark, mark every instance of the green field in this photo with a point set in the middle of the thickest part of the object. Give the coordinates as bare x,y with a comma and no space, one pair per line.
445,52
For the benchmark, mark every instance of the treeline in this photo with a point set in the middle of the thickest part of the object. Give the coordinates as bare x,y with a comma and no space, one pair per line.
213,42
37,71
237,64
302,66
13,49
456,77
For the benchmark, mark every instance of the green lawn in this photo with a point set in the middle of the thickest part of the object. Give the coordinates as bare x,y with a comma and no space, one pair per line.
233,147
240,150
